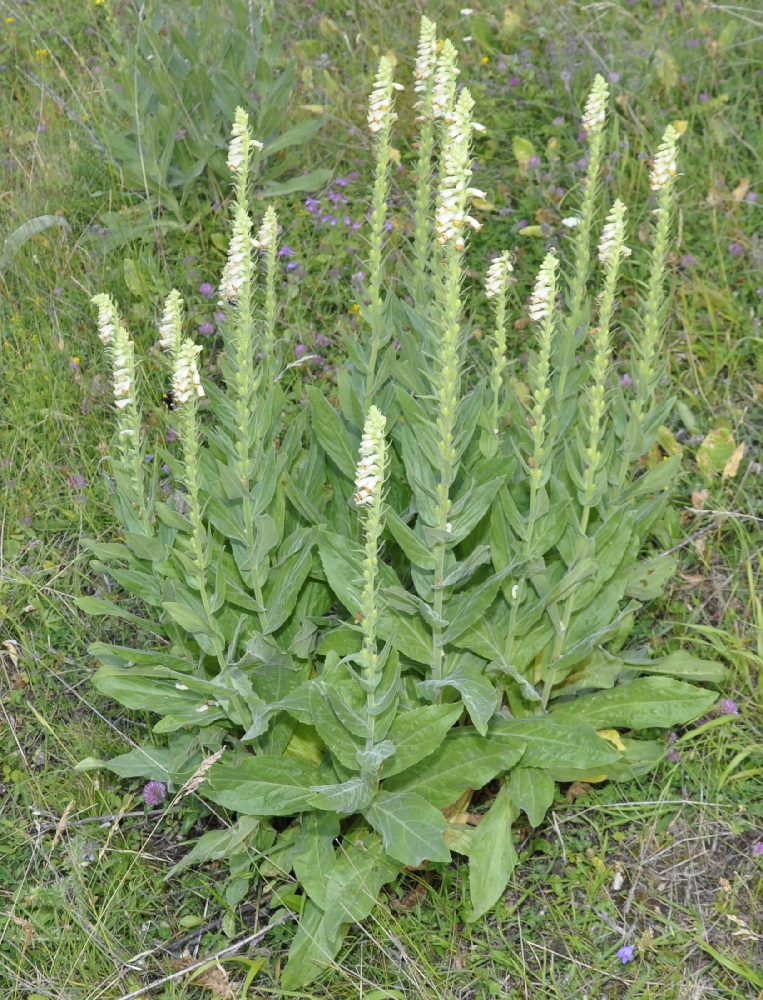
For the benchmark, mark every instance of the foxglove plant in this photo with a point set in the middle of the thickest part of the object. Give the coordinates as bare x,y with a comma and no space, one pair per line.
476,631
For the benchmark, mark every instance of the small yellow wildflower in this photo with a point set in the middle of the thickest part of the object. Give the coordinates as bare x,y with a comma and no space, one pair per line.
485,60
10,19
41,54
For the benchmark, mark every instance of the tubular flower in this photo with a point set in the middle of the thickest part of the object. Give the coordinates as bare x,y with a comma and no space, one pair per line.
238,265
666,161
172,320
498,274
268,230
454,188
595,112
122,365
107,318
380,111
611,245
444,91
426,60
186,378
240,144
370,471
541,302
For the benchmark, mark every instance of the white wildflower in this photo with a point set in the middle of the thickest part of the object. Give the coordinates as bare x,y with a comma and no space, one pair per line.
380,113
268,230
666,161
611,246
541,300
238,266
426,59
370,471
498,274
186,378
595,112
241,143
571,221
446,71
450,214
107,318
172,319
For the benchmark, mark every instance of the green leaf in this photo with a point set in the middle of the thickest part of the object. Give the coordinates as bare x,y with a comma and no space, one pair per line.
225,515
285,583
413,547
640,757
648,579
410,827
475,497
466,675
99,606
311,181
150,762
313,949
141,688
465,609
681,664
418,733
314,856
492,856
337,739
532,791
33,227
332,434
262,785
295,135
646,702
218,844
555,741
187,618
350,796
356,880
464,760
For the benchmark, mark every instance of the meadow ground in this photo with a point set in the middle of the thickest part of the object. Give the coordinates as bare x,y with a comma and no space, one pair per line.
671,863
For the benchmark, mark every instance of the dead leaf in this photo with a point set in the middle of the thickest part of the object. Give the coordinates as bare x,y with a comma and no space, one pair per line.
739,192
613,737
576,789
731,467
212,977
698,498
715,451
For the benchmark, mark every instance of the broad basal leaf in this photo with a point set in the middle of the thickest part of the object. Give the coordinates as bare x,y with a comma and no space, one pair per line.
350,796
554,741
466,675
313,855
492,856
418,733
646,702
354,883
532,791
410,827
262,785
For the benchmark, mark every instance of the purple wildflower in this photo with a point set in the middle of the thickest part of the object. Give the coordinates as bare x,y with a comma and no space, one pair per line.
704,97
514,81
300,350
149,458
353,175
626,953
154,792
206,329
179,136
688,260
74,364
728,707
626,380
41,128
533,162
673,756
78,482
341,182
291,265
757,849
172,435
285,251
321,340
558,121
219,316
58,291
166,469
206,290
736,248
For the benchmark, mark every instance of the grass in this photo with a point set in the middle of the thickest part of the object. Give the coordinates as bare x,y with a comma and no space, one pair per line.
85,908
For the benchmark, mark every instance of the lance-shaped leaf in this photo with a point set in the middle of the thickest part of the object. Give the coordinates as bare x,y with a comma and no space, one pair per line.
313,855
350,796
313,949
492,856
337,739
410,827
646,702
262,785
418,733
354,883
532,791
339,444
554,741
466,675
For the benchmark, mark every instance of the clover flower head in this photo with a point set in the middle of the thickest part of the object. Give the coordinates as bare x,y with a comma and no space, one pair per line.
186,378
445,74
498,274
154,793
426,59
380,113
451,214
268,233
542,298
370,471
595,113
611,246
241,142
172,320
665,161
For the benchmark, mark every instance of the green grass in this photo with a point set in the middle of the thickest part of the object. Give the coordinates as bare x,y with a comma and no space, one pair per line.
77,906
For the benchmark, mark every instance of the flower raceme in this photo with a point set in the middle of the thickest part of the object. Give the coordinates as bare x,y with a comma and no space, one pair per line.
380,113
370,471
454,190
426,60
185,377
665,161
595,112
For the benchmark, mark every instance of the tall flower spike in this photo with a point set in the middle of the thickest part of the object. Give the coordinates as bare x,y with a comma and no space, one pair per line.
446,71
665,161
380,111
426,59
370,471
595,113
498,274
268,230
107,318
611,246
170,328
454,190
541,303
241,143
238,266
185,378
